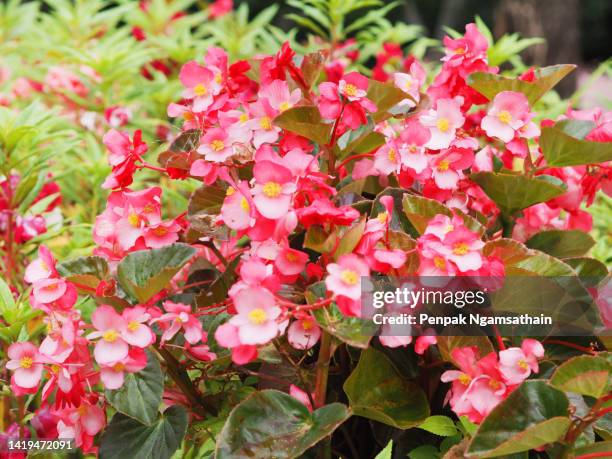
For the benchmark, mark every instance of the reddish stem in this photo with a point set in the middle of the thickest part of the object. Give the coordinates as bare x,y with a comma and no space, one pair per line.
578,347
593,455
351,158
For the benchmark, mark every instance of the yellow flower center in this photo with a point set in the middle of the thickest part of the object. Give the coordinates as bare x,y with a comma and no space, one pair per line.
119,367
449,228
284,106
443,165
200,90
382,217
148,208
459,51
230,191
494,384
218,78
110,336
188,116
265,123
243,118
133,326
392,156
258,316
522,364
160,231
443,125
350,90
439,262
307,325
349,277
217,145
26,362
464,379
272,189
408,84
245,204
505,116
133,220
460,248
291,257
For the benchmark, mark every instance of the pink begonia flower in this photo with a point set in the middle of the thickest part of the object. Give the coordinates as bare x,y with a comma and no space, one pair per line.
161,234
473,45
227,336
301,396
443,122
345,276
410,83
25,362
113,375
509,115
200,85
49,290
394,341
389,158
330,104
353,87
278,95
177,317
447,166
81,424
412,140
136,333
257,316
42,267
262,115
477,387
216,145
290,262
516,364
462,247
208,171
236,210
273,190
111,347
117,116
303,333
60,339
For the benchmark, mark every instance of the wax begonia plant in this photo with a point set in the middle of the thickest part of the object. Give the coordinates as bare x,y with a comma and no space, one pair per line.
238,320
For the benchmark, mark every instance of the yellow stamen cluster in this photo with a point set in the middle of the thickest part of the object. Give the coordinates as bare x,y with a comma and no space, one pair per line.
200,90
443,125
272,189
26,362
349,277
217,145
258,316
350,90
505,116
110,336
460,248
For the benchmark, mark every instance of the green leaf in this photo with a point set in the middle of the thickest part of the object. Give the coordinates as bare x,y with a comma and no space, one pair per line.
125,437
145,273
421,210
489,85
204,205
386,452
376,391
598,447
186,141
351,238
7,301
561,149
516,192
424,452
533,415
141,393
585,374
305,121
271,423
319,240
561,244
590,268
439,425
385,96
87,271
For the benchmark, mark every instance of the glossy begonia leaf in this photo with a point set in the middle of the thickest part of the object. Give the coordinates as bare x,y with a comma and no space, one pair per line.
312,66
350,238
141,393
561,149
585,374
533,415
489,84
125,437
516,192
186,141
144,273
589,268
319,240
86,271
377,391
385,96
271,423
561,244
305,121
